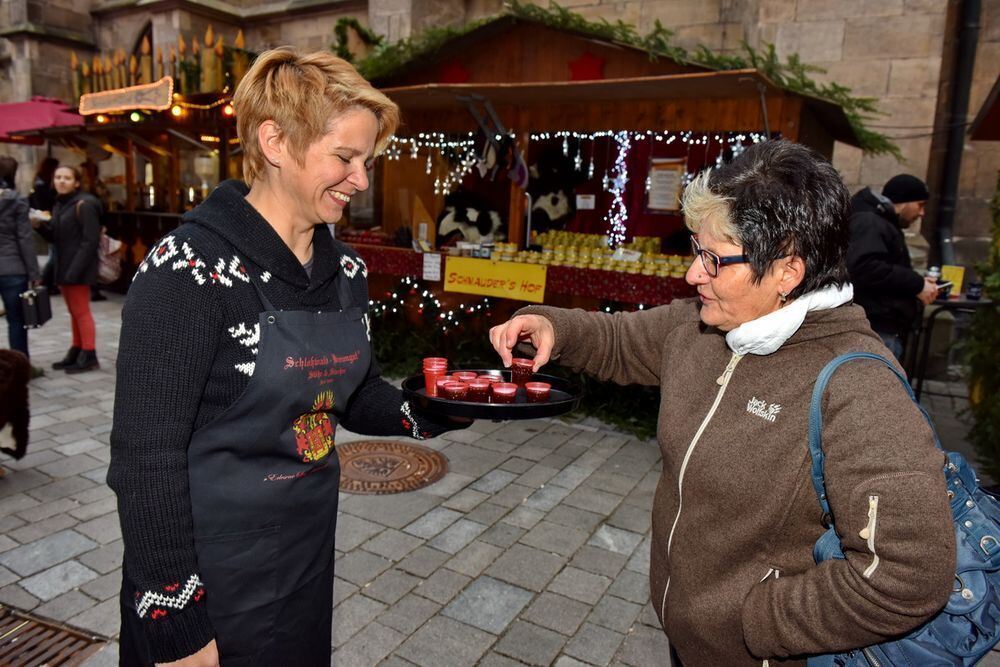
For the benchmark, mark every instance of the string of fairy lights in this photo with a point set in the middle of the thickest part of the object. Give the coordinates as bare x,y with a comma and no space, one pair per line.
409,289
411,293
461,154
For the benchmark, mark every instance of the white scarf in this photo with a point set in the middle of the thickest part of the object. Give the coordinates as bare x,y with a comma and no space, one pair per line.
766,334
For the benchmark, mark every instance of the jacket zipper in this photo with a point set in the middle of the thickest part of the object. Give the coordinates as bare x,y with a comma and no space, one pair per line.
723,382
868,534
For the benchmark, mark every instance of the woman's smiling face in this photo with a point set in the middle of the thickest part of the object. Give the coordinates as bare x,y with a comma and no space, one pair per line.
731,298
334,167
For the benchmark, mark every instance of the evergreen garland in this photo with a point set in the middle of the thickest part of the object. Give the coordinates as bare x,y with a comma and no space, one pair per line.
340,31
792,74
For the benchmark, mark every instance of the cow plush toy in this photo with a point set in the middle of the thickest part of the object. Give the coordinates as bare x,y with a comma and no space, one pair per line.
552,188
15,372
467,217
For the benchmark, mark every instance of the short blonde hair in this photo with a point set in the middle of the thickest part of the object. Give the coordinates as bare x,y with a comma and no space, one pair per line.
300,93
702,208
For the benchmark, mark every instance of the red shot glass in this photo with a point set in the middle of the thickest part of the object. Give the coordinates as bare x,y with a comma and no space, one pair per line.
455,391
464,376
431,376
503,392
538,392
521,371
479,390
492,376
441,382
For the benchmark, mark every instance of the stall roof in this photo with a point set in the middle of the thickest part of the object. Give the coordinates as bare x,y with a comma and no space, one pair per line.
986,126
730,84
17,118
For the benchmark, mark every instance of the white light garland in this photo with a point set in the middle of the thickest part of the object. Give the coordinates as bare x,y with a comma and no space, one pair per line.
446,319
617,215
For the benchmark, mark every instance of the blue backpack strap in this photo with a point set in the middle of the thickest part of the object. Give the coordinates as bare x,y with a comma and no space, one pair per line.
816,420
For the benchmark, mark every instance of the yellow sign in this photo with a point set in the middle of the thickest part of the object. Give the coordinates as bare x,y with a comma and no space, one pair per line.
955,275
508,280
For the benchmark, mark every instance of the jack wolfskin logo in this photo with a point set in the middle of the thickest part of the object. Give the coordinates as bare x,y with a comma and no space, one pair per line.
755,406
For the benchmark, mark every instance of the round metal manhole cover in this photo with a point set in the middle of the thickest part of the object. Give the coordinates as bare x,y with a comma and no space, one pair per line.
383,467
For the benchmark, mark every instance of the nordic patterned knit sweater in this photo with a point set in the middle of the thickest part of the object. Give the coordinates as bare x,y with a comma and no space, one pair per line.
188,340
735,516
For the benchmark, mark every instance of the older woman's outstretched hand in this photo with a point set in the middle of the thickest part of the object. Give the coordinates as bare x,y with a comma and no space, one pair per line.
533,328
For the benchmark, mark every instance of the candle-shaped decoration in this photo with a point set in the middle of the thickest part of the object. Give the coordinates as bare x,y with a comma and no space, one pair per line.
95,73
159,63
182,64
109,73
146,61
74,66
133,69
173,65
85,87
121,78
208,62
240,61
194,78
220,76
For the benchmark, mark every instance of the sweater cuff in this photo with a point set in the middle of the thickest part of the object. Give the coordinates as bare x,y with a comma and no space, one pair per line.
753,634
180,634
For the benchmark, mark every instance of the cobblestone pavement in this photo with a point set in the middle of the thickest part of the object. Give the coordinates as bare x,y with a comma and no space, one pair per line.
533,549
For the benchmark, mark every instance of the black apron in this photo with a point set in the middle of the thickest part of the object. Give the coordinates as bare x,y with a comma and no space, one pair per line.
264,479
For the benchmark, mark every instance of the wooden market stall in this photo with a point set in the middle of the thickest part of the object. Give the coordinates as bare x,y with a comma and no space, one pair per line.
624,120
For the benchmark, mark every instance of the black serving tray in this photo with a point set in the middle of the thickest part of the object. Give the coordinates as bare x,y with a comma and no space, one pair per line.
564,397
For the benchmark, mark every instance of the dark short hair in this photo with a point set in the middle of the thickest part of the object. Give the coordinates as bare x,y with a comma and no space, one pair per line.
8,170
787,199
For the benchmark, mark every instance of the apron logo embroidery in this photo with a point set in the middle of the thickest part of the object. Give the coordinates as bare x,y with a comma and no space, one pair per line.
314,430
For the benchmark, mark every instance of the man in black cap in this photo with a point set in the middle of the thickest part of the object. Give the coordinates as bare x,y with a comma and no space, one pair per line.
885,284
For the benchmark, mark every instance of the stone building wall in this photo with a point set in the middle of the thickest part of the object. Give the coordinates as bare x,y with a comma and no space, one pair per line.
887,49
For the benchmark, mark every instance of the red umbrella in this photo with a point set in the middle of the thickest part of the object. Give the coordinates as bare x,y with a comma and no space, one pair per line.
36,114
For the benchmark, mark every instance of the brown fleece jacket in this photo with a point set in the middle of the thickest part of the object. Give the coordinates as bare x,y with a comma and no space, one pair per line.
735,515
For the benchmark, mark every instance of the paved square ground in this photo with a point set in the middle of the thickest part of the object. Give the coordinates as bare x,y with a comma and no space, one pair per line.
533,549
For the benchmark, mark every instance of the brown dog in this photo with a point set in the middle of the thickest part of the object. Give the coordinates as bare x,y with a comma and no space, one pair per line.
15,372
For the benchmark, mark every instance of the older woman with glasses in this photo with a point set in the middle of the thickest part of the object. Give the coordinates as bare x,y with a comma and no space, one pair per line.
735,516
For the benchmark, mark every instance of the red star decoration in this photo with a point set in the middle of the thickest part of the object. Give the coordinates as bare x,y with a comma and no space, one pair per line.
453,72
586,68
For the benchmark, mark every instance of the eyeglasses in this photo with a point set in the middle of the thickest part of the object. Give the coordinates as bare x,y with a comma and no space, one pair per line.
713,262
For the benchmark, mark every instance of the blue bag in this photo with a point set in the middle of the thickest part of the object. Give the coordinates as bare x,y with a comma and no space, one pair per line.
969,625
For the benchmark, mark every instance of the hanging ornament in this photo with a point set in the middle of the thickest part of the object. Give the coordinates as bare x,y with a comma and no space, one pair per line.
649,184
578,160
430,163
566,146
590,170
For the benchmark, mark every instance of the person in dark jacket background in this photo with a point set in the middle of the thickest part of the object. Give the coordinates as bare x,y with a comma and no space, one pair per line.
885,284
18,262
75,231
42,199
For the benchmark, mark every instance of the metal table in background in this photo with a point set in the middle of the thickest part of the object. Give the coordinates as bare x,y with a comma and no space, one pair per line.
924,335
